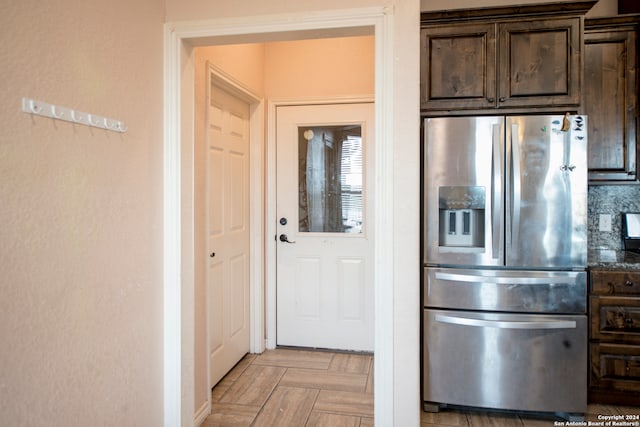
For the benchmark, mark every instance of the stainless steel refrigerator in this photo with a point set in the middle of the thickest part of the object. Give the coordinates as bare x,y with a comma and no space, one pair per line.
505,248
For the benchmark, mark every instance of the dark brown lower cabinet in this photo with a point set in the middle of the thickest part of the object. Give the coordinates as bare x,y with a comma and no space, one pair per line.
615,374
614,338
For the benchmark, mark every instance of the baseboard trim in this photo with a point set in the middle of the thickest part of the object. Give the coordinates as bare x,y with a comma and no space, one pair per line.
202,414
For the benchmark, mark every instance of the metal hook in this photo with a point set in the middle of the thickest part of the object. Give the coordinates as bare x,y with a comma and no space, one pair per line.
35,108
75,117
114,125
54,112
91,122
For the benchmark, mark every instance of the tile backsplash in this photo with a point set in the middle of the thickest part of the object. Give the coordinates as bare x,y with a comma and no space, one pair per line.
613,200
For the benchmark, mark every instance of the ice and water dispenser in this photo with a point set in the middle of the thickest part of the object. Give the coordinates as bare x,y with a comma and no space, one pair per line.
462,212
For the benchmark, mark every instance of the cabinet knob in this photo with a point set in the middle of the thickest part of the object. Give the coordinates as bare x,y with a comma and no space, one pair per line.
502,99
491,99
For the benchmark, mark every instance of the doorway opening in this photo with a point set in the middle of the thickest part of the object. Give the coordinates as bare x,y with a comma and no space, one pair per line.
179,212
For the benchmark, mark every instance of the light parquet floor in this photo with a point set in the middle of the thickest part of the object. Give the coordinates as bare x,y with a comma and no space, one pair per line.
290,387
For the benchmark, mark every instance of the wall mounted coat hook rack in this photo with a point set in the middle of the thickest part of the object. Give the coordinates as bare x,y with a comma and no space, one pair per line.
41,108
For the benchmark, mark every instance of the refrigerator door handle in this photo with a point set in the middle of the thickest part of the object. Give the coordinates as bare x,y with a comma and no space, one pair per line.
516,186
506,324
566,158
522,280
497,236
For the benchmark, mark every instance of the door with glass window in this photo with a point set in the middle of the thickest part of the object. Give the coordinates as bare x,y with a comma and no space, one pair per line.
325,182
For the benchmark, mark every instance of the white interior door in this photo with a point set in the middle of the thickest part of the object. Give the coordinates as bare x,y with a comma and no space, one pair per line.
325,181
227,231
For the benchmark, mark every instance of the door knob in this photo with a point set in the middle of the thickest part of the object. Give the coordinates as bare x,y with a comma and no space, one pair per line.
285,239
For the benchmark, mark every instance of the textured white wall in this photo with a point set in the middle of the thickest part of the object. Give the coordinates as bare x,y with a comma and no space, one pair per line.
81,215
604,8
188,10
320,68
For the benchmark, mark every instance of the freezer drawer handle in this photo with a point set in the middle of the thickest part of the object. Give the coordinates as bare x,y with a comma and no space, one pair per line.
470,278
500,324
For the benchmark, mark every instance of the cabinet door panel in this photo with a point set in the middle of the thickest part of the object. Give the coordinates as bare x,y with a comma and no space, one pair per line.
610,103
615,367
458,67
539,63
615,318
622,283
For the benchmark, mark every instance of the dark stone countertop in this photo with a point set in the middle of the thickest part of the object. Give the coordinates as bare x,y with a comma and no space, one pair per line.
613,260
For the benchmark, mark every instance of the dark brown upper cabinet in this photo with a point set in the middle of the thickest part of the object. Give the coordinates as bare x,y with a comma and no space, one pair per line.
458,67
523,59
610,98
539,63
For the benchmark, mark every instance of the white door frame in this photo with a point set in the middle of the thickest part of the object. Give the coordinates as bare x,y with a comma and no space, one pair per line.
272,218
178,253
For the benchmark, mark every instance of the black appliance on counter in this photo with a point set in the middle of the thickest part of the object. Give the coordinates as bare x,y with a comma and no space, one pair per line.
631,231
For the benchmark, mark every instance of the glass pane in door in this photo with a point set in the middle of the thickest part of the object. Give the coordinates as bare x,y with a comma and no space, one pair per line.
330,175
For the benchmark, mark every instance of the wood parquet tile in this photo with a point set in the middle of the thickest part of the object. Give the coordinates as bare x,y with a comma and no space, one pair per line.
324,380
319,419
287,406
254,385
345,402
291,358
291,387
351,363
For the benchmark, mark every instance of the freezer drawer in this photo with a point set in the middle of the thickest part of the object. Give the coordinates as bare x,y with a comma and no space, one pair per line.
521,291
506,361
